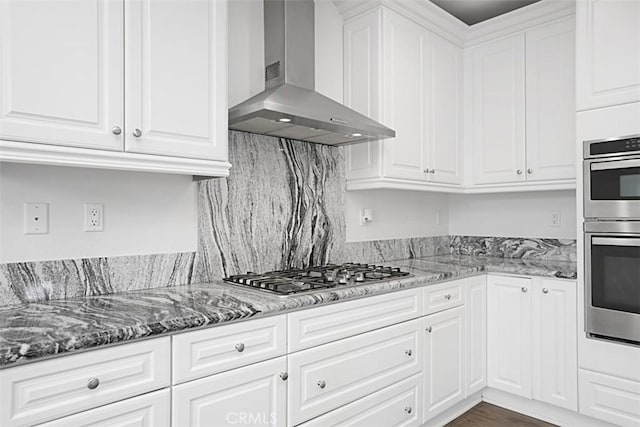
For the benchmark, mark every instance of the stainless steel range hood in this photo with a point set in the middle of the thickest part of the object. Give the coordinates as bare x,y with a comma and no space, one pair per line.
290,107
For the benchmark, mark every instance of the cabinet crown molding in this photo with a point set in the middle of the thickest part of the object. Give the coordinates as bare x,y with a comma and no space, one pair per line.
430,16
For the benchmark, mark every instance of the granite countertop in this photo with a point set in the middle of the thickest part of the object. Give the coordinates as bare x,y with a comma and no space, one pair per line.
36,330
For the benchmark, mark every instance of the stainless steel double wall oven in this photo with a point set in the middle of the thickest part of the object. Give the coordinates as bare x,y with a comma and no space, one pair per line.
612,238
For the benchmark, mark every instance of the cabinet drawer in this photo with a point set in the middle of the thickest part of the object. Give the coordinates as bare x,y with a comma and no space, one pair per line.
608,398
210,351
398,405
309,328
149,410
443,296
55,388
324,378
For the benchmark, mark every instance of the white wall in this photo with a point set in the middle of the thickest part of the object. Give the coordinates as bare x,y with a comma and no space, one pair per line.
397,214
144,212
513,214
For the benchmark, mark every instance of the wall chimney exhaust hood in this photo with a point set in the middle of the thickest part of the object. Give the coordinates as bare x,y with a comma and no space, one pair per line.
290,107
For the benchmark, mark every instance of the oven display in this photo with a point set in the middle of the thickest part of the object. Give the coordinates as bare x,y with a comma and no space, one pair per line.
615,184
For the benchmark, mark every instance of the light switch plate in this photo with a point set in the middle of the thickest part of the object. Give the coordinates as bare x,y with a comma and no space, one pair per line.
36,218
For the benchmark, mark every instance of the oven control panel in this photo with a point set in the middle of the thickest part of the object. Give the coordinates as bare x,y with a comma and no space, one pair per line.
626,145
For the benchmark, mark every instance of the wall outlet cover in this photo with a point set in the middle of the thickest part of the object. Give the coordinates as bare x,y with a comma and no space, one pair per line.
555,219
93,217
36,218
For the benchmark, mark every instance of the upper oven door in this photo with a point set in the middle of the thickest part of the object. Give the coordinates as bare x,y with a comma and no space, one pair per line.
612,188
613,284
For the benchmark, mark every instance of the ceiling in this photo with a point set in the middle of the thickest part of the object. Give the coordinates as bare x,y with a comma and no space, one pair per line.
473,11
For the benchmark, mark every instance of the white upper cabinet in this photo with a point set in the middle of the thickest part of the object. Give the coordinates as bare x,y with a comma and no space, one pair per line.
410,79
71,69
62,72
498,94
608,52
550,103
176,78
405,67
444,111
523,113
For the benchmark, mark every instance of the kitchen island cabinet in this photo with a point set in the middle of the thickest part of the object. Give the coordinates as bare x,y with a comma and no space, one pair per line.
109,84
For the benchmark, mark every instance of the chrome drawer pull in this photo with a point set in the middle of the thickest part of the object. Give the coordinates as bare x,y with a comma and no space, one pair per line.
322,384
545,290
447,296
284,376
523,289
429,329
408,409
93,383
408,352
240,347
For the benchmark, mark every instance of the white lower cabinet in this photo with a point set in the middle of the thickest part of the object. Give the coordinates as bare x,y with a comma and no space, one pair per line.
475,334
444,361
397,405
531,338
608,398
148,410
326,377
255,395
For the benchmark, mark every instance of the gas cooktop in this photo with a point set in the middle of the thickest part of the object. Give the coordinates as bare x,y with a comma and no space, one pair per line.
290,282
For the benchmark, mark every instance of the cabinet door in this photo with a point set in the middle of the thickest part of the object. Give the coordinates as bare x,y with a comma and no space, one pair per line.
555,369
362,89
176,78
476,334
608,52
444,121
62,69
498,130
253,395
509,334
406,65
443,361
148,410
551,101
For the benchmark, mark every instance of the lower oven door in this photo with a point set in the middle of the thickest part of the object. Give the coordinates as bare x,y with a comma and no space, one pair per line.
613,285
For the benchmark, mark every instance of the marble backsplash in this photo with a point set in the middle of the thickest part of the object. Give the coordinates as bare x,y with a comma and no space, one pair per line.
282,206
514,247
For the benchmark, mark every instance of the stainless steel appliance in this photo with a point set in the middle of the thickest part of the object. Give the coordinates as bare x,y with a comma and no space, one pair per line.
324,277
289,106
612,278
612,178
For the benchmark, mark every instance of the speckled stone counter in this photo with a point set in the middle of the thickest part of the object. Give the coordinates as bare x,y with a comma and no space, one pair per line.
32,331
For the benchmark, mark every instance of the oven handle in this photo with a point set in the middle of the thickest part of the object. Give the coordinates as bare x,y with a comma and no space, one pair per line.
615,241
618,164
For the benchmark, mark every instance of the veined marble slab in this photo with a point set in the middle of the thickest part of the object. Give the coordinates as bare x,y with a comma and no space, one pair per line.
514,247
34,330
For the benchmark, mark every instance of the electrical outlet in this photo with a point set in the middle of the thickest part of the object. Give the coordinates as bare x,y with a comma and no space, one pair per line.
36,218
93,217
555,219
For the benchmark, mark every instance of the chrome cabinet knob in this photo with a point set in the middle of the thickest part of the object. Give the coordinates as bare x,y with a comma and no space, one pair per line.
322,384
429,329
284,376
545,290
408,409
426,171
523,289
529,170
137,133
116,130
93,383
433,171
240,347
447,296
408,352
519,171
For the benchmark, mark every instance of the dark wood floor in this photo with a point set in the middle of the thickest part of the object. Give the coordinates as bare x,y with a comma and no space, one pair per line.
486,415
